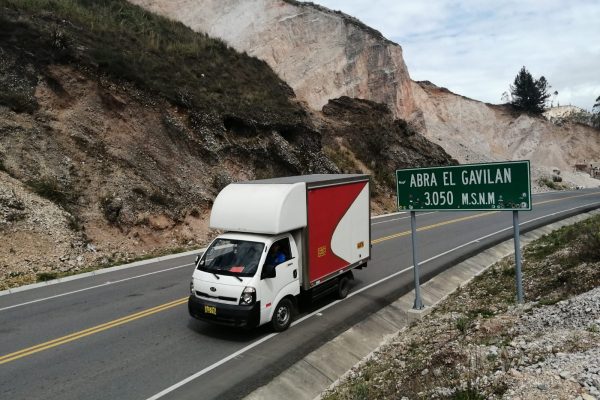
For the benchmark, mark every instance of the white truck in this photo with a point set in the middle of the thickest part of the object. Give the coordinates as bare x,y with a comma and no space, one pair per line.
285,237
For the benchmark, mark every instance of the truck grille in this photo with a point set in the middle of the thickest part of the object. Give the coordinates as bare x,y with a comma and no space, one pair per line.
208,296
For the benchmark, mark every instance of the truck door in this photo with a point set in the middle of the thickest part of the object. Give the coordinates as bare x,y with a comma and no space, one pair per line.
283,257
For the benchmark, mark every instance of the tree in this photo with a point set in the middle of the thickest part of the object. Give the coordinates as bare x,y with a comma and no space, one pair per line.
529,94
596,114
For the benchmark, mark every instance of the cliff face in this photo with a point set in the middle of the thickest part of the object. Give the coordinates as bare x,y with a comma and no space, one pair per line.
324,54
321,54
472,131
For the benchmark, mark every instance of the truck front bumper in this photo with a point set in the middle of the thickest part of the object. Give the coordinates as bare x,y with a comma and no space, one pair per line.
224,314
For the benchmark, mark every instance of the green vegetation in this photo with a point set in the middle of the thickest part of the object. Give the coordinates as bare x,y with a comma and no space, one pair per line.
529,94
583,236
46,276
162,56
17,101
468,394
463,324
342,158
596,114
51,189
552,183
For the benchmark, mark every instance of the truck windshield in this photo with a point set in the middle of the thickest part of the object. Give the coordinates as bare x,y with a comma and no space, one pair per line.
232,257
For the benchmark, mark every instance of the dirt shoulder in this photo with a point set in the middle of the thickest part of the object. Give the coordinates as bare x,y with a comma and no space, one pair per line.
477,344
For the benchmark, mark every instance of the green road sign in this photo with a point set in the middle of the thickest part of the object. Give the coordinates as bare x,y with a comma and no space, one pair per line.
489,186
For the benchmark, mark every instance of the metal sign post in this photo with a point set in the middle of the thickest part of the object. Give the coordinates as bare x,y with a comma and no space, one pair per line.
413,227
518,276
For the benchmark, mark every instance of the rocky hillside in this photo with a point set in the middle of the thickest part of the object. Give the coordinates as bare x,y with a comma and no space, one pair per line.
321,54
472,131
363,136
324,54
118,128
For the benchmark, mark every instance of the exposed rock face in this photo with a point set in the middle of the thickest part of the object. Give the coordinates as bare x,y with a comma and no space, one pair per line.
472,131
362,136
324,54
321,54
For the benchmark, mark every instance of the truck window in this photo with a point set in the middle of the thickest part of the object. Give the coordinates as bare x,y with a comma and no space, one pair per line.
232,257
279,252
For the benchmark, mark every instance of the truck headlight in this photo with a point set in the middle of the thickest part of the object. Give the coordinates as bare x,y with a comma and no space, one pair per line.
192,287
248,296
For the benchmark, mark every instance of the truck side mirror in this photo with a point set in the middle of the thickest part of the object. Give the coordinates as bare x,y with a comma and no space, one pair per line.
269,271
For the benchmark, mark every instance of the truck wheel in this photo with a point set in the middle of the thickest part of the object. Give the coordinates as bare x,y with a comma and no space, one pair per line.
343,287
282,316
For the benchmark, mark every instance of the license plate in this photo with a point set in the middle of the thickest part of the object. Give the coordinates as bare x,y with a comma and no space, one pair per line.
210,310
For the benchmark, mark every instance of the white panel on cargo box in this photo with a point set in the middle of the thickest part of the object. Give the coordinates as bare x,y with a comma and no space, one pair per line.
350,239
260,208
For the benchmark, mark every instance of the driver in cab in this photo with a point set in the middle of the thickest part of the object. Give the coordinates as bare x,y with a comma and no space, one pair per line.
276,256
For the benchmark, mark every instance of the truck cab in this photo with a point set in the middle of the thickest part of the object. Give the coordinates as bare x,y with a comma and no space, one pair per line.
241,278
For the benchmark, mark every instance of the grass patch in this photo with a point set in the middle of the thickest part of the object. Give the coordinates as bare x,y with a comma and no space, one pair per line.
552,184
46,276
342,158
51,189
463,324
17,101
157,54
16,279
468,394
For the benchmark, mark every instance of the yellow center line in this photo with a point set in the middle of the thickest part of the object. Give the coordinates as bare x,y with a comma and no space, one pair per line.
428,227
452,221
565,198
90,331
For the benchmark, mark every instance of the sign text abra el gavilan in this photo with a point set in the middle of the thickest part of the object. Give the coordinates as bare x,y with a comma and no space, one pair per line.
489,186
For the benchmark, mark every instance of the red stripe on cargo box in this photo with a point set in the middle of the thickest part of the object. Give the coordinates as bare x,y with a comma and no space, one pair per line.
326,208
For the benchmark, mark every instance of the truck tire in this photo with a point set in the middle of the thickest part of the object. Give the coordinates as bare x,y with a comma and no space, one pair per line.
282,315
343,287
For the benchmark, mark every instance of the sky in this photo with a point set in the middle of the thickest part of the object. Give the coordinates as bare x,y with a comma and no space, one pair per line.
476,47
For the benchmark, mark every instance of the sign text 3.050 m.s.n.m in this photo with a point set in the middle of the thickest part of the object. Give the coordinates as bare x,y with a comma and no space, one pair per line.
489,186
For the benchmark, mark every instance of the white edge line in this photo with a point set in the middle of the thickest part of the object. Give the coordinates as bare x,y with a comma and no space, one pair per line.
398,219
120,267
388,215
94,287
211,367
98,272
264,339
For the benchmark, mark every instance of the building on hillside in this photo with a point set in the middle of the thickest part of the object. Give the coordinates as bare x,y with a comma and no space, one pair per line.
592,168
595,170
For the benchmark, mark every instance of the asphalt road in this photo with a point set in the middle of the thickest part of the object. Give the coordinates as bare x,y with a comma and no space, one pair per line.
127,334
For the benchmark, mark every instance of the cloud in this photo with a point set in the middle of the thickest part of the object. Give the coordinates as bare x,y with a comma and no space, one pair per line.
475,48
